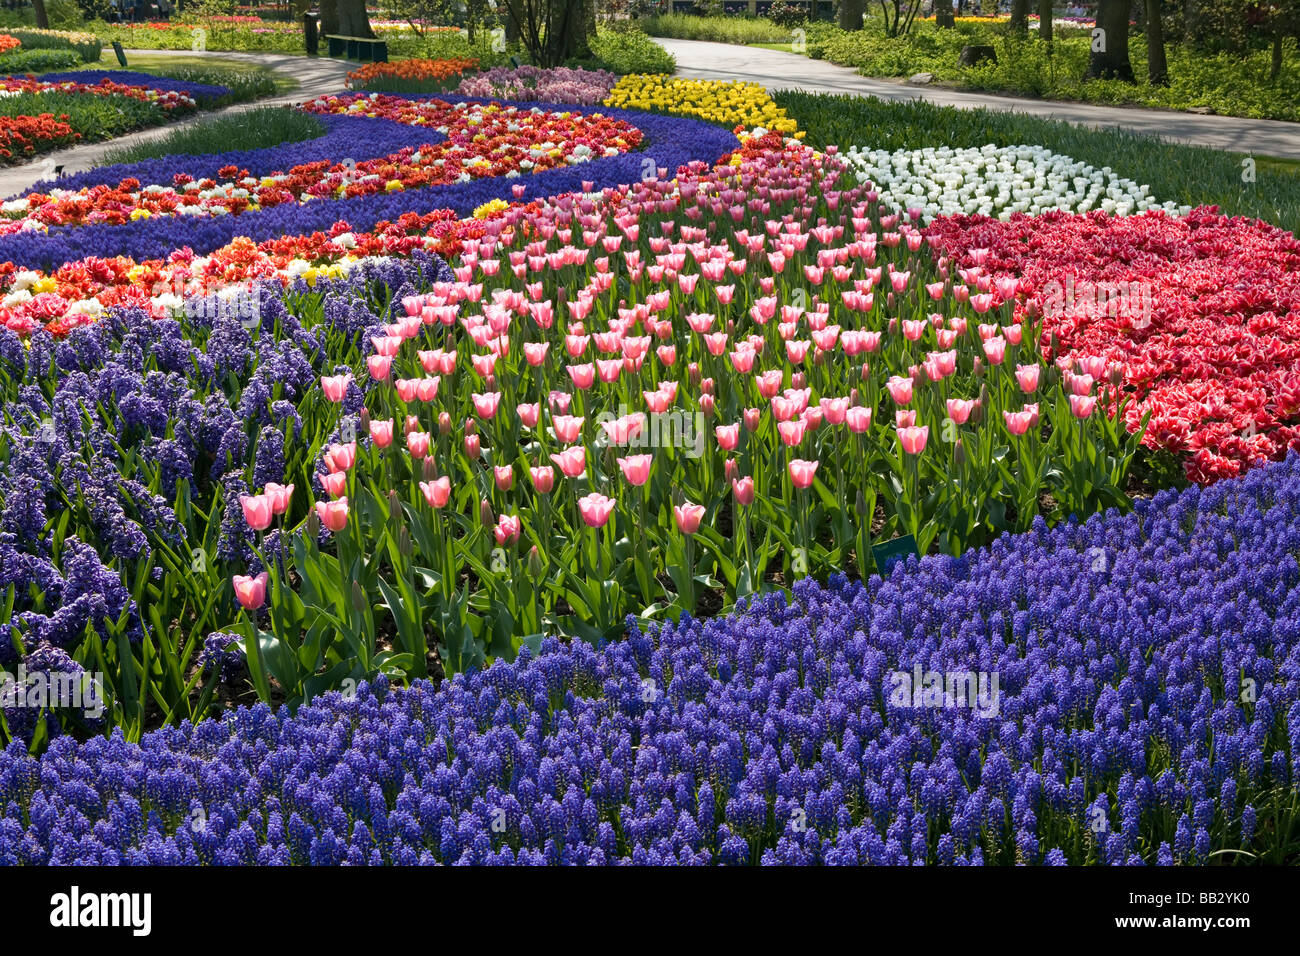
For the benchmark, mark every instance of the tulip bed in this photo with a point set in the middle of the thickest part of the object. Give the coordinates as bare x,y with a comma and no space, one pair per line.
38,114
1129,730
473,426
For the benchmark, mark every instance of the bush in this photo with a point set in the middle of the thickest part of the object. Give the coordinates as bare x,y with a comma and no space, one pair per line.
787,15
715,29
38,61
630,51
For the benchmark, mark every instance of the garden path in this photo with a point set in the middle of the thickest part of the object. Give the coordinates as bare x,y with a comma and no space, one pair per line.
776,70
315,76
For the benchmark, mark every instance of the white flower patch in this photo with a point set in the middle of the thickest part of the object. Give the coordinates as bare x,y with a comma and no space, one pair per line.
998,181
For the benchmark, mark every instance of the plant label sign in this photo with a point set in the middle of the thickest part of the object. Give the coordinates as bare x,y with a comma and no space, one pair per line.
891,552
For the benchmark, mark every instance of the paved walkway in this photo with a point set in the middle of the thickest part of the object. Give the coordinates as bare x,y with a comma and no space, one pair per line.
315,75
777,70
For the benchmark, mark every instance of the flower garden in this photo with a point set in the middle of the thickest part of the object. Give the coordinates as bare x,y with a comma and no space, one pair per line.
556,467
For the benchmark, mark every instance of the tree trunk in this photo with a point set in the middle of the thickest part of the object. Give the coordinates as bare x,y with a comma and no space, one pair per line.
1191,21
1275,67
329,17
1157,68
1020,17
353,19
944,18
851,14
1108,59
42,18
1045,20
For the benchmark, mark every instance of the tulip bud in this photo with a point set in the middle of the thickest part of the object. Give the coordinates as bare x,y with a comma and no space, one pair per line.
819,357
535,566
853,396
798,380
313,526
866,371
358,598
707,405
365,420
860,505
729,468
978,367
404,543
889,300
958,453
429,468
444,424
1032,310
485,516
471,428
1115,376
693,371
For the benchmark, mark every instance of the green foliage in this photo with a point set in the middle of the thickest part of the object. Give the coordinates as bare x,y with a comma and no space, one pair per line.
1186,175
38,61
257,128
1233,85
88,52
715,29
94,117
629,51
244,85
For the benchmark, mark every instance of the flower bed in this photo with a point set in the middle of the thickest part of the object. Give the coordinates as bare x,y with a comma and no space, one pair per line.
560,85
718,101
1202,311
1119,731
998,182
434,73
668,143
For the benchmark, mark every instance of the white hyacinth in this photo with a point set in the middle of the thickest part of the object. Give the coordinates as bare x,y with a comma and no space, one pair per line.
998,181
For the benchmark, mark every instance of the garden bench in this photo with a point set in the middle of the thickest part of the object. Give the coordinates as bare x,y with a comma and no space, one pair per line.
358,48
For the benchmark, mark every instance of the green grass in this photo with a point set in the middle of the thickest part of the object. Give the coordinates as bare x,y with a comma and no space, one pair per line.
255,128
247,80
1187,175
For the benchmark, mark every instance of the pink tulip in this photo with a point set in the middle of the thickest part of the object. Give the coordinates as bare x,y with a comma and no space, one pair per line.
858,419
335,386
636,468
913,439
437,492
900,389
752,417
728,436
543,477
473,446
333,514
1017,422
380,366
595,509
335,483
529,414
279,495
905,418
341,457
688,517
995,349
407,389
1081,406
257,511
381,432
535,352
743,489
507,530
802,472
959,409
584,376
792,432
426,389
567,428
250,591
486,405
572,462
504,475
418,444
1027,376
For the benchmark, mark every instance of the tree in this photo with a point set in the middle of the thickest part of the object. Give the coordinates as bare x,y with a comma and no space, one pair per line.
1284,18
1108,59
851,12
903,13
1157,68
1045,20
42,18
1020,17
553,31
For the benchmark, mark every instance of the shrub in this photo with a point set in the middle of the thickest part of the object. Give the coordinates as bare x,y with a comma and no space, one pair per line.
86,45
38,61
259,128
630,51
